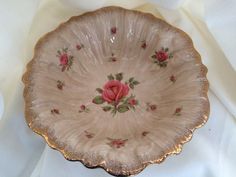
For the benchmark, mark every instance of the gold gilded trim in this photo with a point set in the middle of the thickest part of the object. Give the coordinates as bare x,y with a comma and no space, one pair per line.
43,132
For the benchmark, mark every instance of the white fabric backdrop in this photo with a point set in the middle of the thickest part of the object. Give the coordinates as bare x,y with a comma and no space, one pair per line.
212,26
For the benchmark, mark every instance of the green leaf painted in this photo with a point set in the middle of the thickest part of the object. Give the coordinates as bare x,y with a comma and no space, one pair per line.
131,79
122,99
113,103
113,111
106,108
131,86
70,62
125,100
63,68
170,55
154,56
122,108
136,82
163,64
98,100
99,90
119,76
110,77
132,107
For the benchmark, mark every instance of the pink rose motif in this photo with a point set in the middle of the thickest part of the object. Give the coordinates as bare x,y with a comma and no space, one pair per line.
133,102
114,90
64,59
153,107
113,30
82,107
116,143
114,94
161,56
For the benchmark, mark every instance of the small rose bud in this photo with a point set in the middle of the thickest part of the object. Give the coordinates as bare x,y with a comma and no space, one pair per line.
82,107
113,30
144,45
153,107
133,102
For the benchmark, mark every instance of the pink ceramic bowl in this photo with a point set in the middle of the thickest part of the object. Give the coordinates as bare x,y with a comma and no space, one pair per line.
117,89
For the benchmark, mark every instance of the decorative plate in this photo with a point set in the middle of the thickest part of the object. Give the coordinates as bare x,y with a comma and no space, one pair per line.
117,89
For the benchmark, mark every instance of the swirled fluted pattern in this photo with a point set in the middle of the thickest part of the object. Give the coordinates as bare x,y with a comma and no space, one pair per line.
178,90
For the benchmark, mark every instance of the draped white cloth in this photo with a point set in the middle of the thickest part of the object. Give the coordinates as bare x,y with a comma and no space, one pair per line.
212,26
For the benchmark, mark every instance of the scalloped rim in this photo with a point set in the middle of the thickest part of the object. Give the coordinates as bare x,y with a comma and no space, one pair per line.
72,157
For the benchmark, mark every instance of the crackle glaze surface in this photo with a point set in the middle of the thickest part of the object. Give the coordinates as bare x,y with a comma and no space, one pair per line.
116,88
